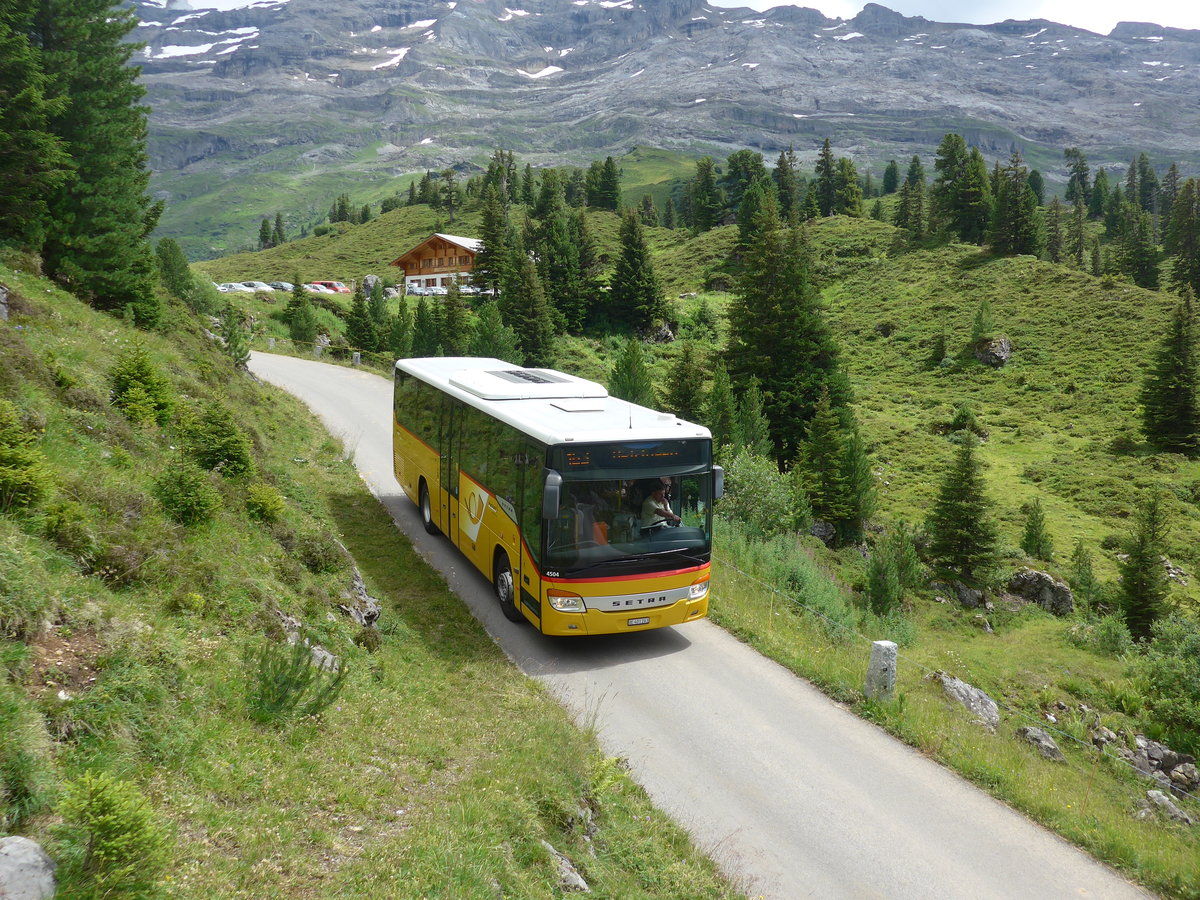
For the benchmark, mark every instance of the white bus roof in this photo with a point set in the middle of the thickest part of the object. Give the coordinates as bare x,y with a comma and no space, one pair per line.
554,407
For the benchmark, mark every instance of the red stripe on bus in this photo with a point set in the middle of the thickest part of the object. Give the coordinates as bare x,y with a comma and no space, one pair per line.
415,438
643,577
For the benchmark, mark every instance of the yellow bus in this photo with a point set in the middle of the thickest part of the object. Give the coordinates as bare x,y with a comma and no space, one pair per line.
589,514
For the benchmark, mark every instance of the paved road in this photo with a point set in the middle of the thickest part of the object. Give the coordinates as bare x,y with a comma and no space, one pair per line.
790,794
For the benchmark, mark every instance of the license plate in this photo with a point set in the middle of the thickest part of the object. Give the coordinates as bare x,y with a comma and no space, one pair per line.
644,620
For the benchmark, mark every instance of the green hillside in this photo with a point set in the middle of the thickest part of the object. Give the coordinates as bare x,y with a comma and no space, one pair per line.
148,551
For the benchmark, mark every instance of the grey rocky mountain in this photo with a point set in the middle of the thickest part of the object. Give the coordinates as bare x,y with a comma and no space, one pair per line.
361,90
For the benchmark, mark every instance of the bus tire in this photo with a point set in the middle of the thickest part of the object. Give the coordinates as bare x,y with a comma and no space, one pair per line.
506,588
426,509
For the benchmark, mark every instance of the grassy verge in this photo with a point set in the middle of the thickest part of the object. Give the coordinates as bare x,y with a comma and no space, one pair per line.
781,601
129,650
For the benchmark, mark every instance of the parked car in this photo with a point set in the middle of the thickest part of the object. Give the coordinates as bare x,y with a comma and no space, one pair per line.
283,286
415,290
335,287
318,288
258,285
234,287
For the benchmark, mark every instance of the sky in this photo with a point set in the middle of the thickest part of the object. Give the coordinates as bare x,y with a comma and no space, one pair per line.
1095,15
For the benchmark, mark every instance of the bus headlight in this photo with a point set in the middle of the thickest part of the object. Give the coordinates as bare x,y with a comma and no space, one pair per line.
564,601
698,589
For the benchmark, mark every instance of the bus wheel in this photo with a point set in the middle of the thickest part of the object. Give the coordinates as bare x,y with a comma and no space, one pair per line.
426,509
506,591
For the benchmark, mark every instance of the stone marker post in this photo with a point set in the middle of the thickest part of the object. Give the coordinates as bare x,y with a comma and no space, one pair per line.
270,343
881,672
357,360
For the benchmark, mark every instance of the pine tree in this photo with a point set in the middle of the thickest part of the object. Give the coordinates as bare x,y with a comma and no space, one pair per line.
1183,237
635,296
401,334
648,212
684,392
847,200
450,193
962,535
99,218
1137,251
302,322
1084,585
425,332
495,229
950,168
910,211
360,329
1034,539
1037,187
264,235
237,341
1170,408
668,214
278,237
705,195
491,337
454,335
364,214
826,179
34,163
630,378
1014,220
821,458
610,185
525,309
778,334
787,185
1055,240
588,282
1098,198
752,429
1076,245
720,414
380,317
173,269
891,177
1144,586
1078,186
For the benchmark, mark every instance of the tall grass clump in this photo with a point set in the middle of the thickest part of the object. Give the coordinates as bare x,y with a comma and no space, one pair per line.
285,683
111,844
24,776
1170,668
24,597
762,500
783,565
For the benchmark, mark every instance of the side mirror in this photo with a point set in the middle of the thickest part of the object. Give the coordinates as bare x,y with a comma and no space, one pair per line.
718,482
552,496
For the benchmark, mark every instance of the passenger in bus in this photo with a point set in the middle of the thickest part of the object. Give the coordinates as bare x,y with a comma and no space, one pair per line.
656,510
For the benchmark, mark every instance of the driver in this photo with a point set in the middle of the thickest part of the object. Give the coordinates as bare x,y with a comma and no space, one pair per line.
656,509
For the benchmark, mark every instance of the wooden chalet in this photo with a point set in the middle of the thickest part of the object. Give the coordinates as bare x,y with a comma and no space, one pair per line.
438,261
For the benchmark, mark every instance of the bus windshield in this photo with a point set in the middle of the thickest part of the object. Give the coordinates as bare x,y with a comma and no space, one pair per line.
614,526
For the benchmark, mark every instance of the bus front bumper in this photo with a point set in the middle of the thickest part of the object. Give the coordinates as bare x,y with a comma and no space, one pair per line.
596,621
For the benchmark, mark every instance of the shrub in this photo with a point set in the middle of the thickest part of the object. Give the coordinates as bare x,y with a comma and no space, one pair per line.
186,493
25,476
216,442
761,499
1108,635
1171,670
284,682
136,383
264,503
319,551
114,847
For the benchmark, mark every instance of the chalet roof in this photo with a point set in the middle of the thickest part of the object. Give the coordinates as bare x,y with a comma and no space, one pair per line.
471,245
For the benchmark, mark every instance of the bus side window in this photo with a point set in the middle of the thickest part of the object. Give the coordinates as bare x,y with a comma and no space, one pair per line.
533,459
